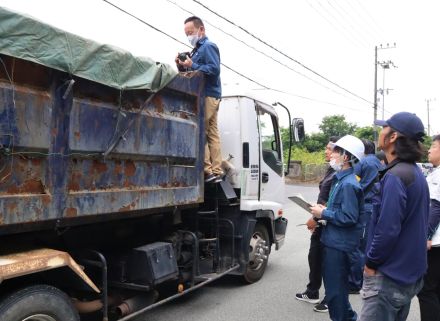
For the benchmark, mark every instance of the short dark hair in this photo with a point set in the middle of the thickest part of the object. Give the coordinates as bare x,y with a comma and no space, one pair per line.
407,149
352,159
369,146
436,138
333,139
196,20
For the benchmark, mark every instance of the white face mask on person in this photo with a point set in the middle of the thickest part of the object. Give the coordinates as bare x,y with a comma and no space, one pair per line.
337,164
193,39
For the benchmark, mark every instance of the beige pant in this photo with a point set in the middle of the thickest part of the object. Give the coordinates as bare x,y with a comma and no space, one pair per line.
213,155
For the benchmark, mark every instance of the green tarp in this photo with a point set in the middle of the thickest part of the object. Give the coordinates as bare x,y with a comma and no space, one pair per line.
27,38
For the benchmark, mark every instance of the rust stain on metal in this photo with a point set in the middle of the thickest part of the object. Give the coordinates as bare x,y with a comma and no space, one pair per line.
130,168
36,162
71,212
30,186
29,262
128,184
99,167
77,135
73,184
158,104
46,199
118,168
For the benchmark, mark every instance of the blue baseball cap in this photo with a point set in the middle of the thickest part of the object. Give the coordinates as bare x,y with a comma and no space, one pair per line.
407,124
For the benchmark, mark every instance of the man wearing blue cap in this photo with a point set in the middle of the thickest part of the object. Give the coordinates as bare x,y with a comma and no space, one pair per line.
396,247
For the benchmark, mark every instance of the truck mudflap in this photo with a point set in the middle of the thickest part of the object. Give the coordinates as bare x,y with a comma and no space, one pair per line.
39,260
280,232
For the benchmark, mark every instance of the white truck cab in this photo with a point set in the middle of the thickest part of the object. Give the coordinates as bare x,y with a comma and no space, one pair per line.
251,143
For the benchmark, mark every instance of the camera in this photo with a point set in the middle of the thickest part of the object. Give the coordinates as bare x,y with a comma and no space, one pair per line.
183,55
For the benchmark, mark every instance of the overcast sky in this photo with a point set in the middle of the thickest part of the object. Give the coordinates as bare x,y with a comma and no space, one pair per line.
310,39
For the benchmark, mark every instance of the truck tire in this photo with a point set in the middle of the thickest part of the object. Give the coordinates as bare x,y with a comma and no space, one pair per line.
259,249
38,303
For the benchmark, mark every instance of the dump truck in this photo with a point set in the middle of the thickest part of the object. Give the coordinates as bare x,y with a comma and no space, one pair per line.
104,212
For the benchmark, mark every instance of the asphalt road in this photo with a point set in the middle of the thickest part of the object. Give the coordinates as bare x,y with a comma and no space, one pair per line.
273,297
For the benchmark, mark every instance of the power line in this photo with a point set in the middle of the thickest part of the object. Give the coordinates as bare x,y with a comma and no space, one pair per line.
261,52
319,101
282,53
363,44
231,69
374,27
380,29
346,15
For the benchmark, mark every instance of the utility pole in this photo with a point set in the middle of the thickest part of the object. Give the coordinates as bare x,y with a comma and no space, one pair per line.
375,96
385,65
427,109
375,86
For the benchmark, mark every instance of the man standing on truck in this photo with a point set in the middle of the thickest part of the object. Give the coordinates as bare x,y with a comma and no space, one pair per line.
396,246
205,57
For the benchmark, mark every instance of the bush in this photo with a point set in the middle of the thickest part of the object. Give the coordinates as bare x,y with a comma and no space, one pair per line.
301,154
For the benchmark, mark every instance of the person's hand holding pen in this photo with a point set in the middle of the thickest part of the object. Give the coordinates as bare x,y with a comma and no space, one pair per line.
317,210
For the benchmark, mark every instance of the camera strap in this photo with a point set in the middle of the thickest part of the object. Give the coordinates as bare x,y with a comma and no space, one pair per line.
192,53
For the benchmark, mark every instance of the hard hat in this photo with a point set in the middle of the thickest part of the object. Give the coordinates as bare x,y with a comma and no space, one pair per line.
351,144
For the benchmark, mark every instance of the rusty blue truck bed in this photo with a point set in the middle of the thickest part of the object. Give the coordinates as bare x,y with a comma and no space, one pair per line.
74,150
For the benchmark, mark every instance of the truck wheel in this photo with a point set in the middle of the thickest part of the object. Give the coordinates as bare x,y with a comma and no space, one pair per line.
38,303
259,249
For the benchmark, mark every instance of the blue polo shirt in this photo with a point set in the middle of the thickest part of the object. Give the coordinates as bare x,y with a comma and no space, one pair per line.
344,213
397,234
206,58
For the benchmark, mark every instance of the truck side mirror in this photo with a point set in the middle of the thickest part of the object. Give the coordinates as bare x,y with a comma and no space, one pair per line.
298,129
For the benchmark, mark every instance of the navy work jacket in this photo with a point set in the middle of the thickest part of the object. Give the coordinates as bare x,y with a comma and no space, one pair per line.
397,234
344,213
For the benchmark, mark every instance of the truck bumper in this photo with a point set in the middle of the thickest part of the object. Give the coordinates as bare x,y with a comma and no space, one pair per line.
280,232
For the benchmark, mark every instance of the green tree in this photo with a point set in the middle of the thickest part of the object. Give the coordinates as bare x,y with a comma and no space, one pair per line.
336,125
315,142
366,132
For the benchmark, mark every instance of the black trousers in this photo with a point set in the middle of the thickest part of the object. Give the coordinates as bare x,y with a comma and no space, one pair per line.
315,261
429,296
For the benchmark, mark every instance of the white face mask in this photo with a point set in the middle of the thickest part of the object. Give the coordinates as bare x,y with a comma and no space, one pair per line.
193,39
336,166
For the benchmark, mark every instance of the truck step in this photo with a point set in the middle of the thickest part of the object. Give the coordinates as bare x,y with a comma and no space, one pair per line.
211,240
206,212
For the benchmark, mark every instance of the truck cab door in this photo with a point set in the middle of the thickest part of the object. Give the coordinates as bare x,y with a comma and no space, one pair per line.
271,158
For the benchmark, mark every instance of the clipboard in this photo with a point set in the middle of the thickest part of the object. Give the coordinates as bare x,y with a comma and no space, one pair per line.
300,201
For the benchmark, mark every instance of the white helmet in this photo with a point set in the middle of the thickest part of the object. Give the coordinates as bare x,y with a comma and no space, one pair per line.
353,145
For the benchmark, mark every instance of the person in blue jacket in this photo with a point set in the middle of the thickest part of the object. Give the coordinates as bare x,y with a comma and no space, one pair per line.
205,57
367,170
396,246
341,233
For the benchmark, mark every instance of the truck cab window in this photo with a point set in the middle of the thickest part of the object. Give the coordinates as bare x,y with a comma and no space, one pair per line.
270,142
